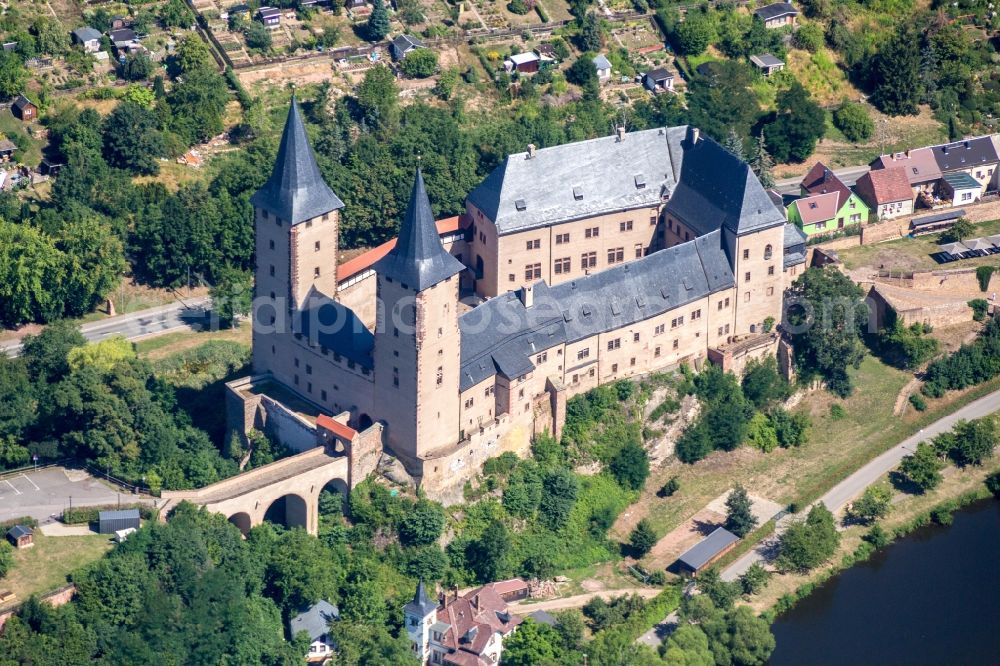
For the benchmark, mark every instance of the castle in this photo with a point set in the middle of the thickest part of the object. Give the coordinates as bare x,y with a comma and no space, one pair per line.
572,266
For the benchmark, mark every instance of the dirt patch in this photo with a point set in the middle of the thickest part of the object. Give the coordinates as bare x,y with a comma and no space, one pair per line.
904,396
591,585
690,532
304,72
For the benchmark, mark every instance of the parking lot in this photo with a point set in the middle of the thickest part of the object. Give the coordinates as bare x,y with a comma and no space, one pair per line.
45,493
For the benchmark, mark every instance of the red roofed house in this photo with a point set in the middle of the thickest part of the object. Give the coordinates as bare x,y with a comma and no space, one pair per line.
466,631
887,191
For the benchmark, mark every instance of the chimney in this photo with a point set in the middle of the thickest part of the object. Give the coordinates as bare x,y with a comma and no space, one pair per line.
693,135
475,602
620,131
531,151
527,295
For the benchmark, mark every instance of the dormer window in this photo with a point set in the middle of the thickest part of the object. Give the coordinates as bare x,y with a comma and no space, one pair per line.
578,193
640,181
520,205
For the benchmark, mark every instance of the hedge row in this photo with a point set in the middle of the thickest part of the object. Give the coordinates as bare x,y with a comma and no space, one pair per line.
89,514
27,521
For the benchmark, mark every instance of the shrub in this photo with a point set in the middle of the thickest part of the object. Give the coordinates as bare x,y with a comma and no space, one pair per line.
918,402
791,428
27,521
983,275
642,538
89,514
761,433
837,412
630,466
669,488
941,516
754,579
979,308
877,537
970,365
873,504
993,484
420,63
853,121
806,545
520,7
809,36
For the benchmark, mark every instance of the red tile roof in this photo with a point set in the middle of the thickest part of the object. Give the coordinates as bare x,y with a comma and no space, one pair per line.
821,180
336,427
885,186
364,261
507,586
474,618
818,207
920,165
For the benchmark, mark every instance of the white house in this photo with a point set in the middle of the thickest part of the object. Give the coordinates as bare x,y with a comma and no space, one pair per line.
88,38
315,622
603,66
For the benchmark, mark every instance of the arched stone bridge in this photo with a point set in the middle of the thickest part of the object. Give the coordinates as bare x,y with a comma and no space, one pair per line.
288,490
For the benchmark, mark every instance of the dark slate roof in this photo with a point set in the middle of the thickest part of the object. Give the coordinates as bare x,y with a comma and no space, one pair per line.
315,621
22,102
577,180
702,552
502,335
86,34
403,43
421,605
418,260
337,329
659,74
121,514
775,10
19,531
794,245
122,35
965,154
717,189
296,191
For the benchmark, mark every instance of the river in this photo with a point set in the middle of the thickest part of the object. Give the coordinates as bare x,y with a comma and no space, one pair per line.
933,597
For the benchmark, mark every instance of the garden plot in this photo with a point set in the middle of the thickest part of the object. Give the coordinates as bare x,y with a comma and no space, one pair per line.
638,37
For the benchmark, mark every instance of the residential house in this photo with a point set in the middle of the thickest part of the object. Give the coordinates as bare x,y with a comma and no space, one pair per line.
777,15
354,4
463,631
525,63
887,192
7,148
402,45
603,66
122,37
976,156
922,171
315,622
24,109
88,38
658,80
767,64
849,208
270,17
961,188
21,536
815,214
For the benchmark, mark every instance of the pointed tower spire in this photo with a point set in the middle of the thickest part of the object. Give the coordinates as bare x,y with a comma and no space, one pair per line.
418,260
296,190
421,604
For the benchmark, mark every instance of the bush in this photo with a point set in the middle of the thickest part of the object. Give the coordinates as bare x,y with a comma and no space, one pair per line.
257,36
983,275
89,514
806,545
809,37
873,504
420,63
754,579
27,521
962,228
941,516
993,484
979,308
837,412
877,537
791,428
630,466
669,488
854,122
918,402
642,538
520,7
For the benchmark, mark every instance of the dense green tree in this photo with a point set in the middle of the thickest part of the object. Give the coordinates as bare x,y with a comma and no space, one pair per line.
6,558
591,36
132,139
809,36
630,466
721,100
854,121
136,67
560,488
969,442
94,264
806,545
423,524
192,54
197,104
427,563
378,22
739,512
923,467
761,163
378,98
31,274
175,14
232,295
642,538
17,410
754,579
722,593
299,571
825,316
688,646
895,72
749,637
692,35
763,385
488,555
872,505
791,428
258,36
368,645
533,644
420,63
798,125
13,74
45,354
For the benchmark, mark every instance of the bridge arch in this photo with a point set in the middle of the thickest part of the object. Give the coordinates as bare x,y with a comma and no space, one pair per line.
290,510
242,520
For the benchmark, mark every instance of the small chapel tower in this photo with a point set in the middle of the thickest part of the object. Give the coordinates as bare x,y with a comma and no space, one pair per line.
418,616
417,340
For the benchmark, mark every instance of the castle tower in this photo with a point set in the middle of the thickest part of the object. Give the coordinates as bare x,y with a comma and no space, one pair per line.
417,340
296,217
418,616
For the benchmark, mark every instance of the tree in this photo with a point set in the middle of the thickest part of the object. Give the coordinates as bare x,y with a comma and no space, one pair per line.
739,512
378,98
750,640
299,571
630,466
137,66
378,22
31,273
642,538
692,35
422,525
734,144
688,646
754,579
487,556
807,544
972,442
132,139
45,354
591,36
420,63
6,558
809,36
826,315
798,125
362,644
198,103
191,55
762,384
854,121
923,467
583,73
139,95
232,295
533,644
13,74
895,71
103,356
559,491
761,163
720,100
961,229
791,428
258,36
873,504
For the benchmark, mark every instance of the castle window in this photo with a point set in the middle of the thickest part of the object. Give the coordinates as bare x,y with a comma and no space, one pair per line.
316,272
638,250
677,321
727,301
533,272
652,220
296,363
271,270
270,244
676,343
309,369
659,329
616,254
322,395
296,380
468,403
614,344
746,276
614,368
542,358
656,352
326,216
720,331
576,379
746,297
395,377
273,350
770,291
591,373
562,266
632,361
562,238
720,306
635,337
316,246
440,375
770,270
582,354
696,315
309,224
309,387
534,244
520,394
746,254
727,329
264,214
592,232
625,226
511,277
767,252
489,391
588,260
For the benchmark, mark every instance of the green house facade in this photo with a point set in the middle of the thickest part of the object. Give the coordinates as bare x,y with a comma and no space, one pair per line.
827,204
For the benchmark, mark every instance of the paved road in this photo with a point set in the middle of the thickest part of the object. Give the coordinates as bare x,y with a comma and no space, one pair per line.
842,493
154,321
849,175
48,491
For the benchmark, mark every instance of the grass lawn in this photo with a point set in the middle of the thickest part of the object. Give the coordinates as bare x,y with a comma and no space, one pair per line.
168,344
16,131
913,253
45,566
